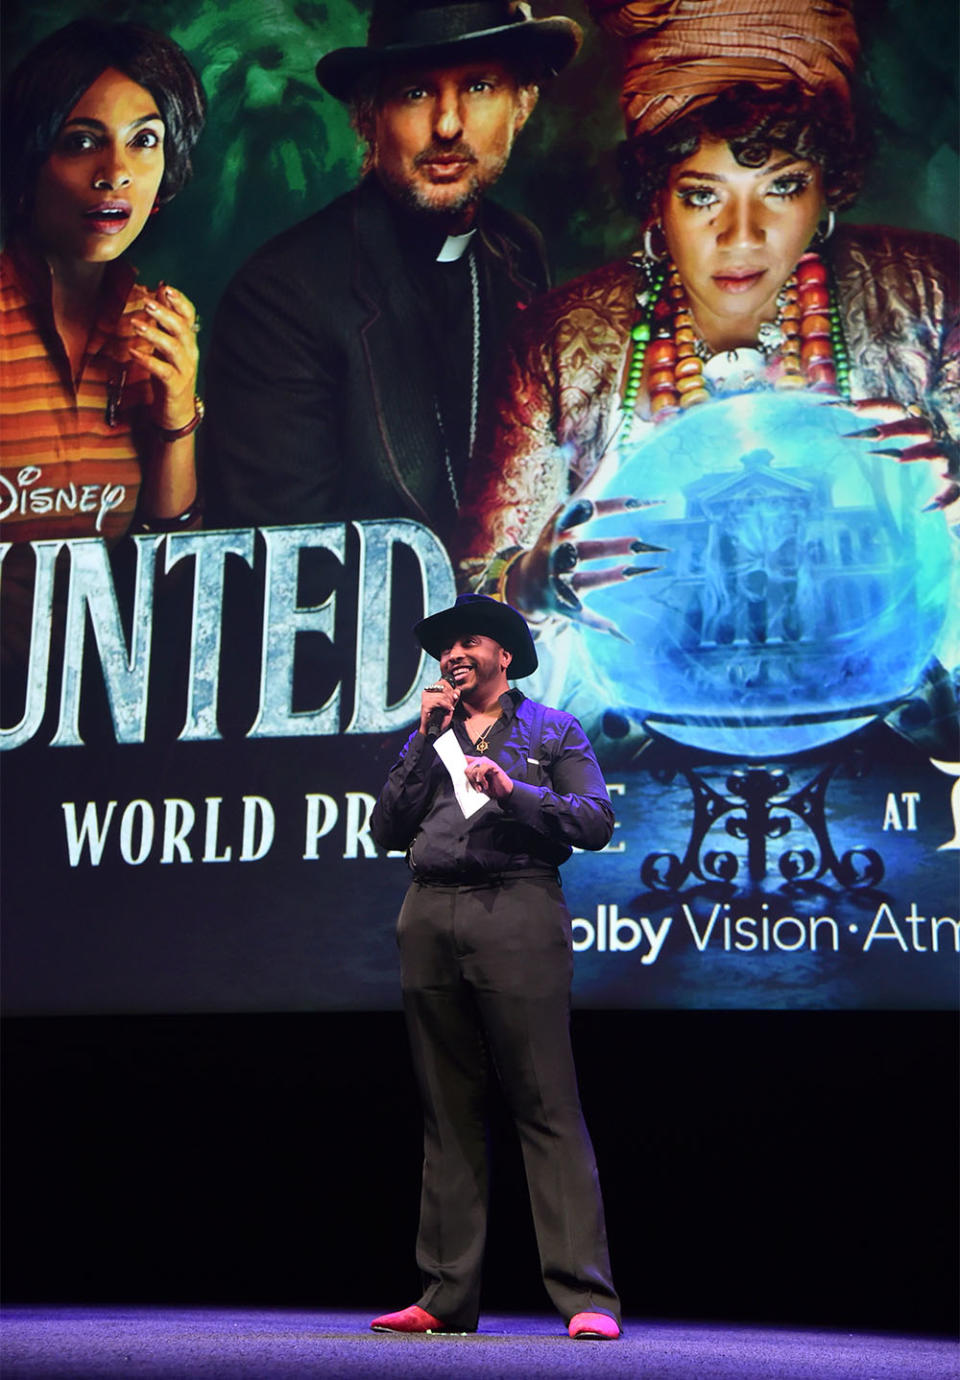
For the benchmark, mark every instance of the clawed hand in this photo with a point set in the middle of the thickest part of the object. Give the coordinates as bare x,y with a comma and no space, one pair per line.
548,578
893,421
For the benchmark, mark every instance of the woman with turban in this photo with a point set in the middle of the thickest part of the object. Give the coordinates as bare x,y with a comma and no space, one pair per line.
741,148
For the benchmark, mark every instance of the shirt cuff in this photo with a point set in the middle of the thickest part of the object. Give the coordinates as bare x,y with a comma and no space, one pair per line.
524,803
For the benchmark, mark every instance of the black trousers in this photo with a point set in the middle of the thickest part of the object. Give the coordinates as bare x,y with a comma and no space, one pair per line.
486,973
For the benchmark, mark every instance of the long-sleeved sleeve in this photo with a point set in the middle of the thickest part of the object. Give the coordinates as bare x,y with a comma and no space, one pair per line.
406,795
544,433
899,294
272,448
575,807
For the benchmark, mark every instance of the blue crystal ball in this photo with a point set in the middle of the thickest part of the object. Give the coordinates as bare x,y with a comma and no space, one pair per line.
803,589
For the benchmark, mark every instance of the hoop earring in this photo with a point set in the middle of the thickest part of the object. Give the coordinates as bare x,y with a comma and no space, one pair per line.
824,232
648,243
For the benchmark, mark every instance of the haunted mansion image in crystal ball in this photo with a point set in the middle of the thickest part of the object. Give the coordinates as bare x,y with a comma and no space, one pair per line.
803,590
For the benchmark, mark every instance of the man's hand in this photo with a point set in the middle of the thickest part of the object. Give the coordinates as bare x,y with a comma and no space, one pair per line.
440,695
488,777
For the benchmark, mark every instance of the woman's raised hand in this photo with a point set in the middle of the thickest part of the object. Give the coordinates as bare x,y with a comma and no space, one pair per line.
166,346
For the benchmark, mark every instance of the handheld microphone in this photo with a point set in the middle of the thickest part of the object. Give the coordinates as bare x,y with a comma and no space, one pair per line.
436,716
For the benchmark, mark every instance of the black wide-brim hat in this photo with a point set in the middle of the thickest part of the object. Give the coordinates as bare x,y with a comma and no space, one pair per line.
478,613
411,31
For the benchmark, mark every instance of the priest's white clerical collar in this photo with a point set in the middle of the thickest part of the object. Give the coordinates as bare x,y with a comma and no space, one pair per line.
454,247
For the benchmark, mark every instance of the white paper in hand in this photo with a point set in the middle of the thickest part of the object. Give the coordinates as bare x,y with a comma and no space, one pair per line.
451,755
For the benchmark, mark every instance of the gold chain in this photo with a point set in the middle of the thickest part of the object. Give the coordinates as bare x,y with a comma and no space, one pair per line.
483,742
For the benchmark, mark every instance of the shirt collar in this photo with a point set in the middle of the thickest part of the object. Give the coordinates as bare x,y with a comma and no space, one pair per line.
454,247
421,237
509,701
36,282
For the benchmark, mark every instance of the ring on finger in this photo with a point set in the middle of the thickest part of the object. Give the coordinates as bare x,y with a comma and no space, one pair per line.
565,558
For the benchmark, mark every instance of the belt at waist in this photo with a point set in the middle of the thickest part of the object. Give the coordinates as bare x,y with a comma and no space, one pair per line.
478,878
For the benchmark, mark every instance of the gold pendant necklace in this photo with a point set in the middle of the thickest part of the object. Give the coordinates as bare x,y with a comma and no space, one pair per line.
483,742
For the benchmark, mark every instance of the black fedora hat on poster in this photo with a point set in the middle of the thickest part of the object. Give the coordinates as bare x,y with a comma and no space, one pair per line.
405,31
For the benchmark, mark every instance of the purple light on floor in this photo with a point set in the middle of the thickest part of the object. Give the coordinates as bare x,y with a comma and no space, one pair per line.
95,1343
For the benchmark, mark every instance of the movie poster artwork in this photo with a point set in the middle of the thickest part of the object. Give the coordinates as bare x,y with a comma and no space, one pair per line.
199,723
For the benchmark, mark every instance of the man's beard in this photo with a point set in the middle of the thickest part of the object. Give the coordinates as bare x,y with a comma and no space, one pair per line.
426,198
416,196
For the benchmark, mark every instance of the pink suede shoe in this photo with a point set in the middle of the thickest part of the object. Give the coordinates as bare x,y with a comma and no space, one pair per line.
593,1327
412,1319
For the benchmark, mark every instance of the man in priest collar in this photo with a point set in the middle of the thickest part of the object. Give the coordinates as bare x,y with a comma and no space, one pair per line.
350,353
487,812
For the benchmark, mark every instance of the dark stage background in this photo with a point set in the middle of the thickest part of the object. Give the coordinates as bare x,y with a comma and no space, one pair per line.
768,1166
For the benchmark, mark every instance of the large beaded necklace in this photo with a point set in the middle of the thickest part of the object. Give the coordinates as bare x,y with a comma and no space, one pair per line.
805,348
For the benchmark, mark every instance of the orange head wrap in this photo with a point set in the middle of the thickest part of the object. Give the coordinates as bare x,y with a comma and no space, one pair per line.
680,54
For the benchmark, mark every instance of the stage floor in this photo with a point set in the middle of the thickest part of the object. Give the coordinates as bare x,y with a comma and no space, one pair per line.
84,1343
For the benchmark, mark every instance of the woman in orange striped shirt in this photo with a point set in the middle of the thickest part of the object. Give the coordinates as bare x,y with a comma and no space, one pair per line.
98,401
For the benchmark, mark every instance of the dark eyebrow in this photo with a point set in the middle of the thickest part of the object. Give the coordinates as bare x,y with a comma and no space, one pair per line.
405,81
760,172
99,125
787,163
700,176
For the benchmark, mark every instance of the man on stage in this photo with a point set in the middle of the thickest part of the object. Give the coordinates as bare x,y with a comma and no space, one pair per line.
487,812
350,354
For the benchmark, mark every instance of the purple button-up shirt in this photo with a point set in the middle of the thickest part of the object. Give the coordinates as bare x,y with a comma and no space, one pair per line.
559,800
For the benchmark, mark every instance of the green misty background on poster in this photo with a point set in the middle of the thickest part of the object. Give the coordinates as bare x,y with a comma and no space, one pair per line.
277,148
